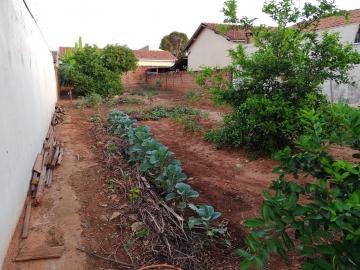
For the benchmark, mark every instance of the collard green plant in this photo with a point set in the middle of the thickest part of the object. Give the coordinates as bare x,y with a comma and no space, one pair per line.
184,192
157,162
170,176
203,221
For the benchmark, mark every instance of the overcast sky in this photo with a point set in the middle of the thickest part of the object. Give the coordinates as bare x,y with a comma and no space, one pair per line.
135,23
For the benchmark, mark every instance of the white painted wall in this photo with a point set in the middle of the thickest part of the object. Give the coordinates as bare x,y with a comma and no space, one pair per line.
342,92
155,63
209,50
27,99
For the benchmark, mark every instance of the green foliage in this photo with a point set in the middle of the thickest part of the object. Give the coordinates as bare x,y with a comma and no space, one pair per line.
230,11
184,192
175,43
192,96
134,194
118,58
317,218
206,215
133,100
214,81
90,101
111,148
95,119
288,68
166,174
91,70
342,122
258,123
159,112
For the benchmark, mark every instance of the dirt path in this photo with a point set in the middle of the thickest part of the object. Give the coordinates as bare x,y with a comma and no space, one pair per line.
71,212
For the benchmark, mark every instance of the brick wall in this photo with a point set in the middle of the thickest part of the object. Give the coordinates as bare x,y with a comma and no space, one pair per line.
178,81
134,80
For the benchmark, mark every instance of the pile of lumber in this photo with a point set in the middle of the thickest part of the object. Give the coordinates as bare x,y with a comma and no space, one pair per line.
50,157
59,115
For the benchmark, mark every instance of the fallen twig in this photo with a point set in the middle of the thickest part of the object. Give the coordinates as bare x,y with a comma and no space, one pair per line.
92,253
161,266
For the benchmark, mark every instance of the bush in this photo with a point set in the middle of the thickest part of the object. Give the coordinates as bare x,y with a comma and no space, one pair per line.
258,124
285,71
91,70
342,123
318,218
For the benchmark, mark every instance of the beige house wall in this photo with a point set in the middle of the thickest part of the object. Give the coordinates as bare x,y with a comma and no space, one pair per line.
209,50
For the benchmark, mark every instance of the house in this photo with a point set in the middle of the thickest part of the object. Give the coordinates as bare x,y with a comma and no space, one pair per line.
209,46
349,32
153,60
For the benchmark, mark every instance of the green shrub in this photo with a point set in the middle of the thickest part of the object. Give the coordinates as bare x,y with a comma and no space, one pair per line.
91,70
317,218
258,124
287,68
342,123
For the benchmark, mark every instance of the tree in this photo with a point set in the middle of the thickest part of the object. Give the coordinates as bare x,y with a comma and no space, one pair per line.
91,70
289,66
118,58
230,11
175,43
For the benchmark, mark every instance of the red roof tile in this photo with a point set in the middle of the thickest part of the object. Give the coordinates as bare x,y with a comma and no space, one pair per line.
233,34
154,55
329,22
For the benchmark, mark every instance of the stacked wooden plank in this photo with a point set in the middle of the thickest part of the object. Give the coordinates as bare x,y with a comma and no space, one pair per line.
59,115
50,156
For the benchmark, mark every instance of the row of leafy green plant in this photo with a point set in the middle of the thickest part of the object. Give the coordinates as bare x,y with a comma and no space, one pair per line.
156,162
318,217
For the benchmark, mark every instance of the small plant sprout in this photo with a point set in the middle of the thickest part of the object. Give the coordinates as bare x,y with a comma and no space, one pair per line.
134,194
111,148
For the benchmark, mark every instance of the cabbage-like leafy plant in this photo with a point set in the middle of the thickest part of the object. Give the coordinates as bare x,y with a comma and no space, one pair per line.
171,175
184,192
206,215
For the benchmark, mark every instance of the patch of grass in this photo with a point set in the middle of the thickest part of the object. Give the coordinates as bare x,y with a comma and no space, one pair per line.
190,123
188,117
192,96
111,148
96,119
159,112
90,101
133,100
134,194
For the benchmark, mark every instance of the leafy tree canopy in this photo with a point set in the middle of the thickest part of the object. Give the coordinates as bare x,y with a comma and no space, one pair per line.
290,63
175,43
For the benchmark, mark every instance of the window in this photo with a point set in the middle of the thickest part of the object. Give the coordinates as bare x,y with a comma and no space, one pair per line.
357,37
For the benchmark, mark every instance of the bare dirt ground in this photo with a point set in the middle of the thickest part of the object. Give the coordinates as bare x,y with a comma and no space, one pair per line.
76,210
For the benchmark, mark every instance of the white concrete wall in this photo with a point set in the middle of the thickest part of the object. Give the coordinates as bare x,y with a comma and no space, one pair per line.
27,99
155,63
342,92
209,50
